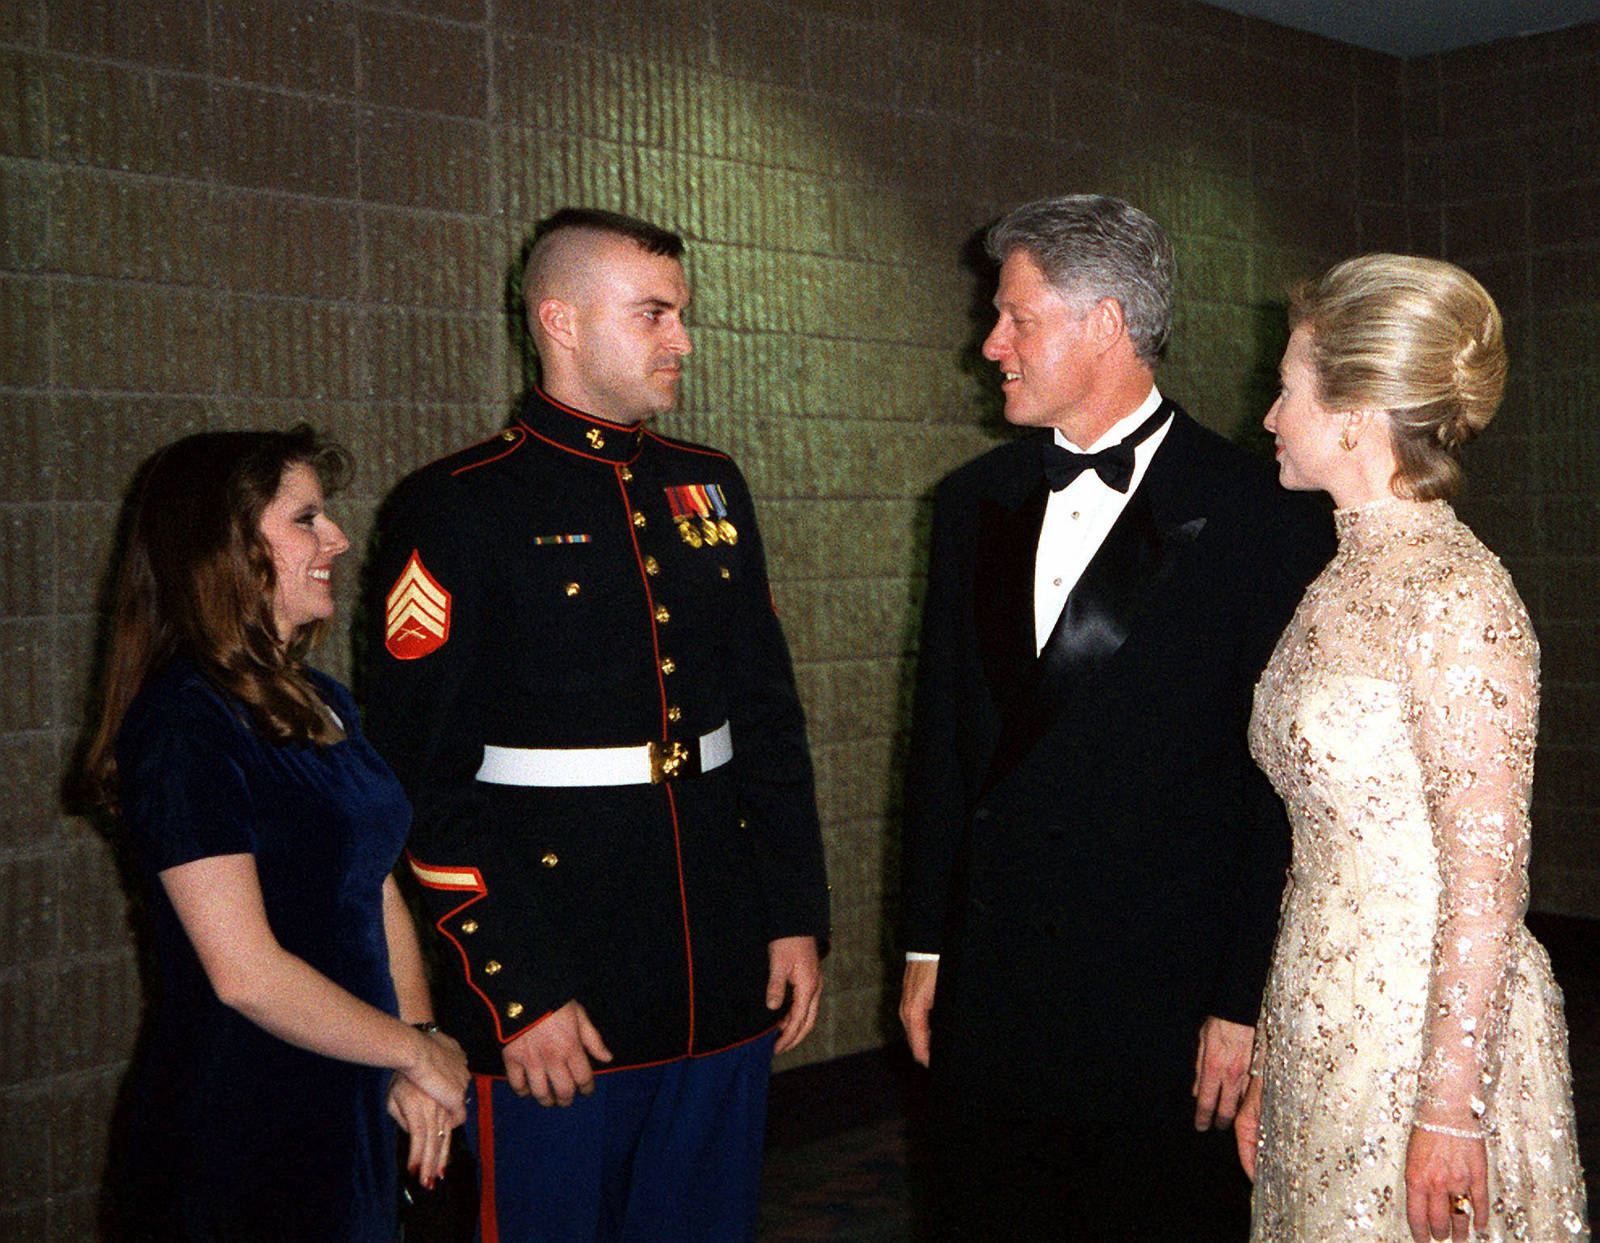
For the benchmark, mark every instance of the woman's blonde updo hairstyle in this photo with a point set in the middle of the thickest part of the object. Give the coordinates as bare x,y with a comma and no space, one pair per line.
1417,338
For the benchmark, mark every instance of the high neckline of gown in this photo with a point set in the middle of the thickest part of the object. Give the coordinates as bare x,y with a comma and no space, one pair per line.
1385,518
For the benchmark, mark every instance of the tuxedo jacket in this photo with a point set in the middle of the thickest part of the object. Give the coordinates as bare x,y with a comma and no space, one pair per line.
1088,845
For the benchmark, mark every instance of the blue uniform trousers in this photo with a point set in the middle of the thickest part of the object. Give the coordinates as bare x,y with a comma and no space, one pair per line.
658,1154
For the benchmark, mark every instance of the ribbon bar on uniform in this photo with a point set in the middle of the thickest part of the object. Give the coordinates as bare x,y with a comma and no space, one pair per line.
650,763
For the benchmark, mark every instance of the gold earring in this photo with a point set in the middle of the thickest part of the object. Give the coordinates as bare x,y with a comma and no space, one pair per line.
1345,442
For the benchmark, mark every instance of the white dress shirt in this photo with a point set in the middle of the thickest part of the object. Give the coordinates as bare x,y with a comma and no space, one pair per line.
1078,518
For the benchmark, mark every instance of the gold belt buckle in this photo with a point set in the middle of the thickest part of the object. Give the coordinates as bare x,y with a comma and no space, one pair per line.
666,760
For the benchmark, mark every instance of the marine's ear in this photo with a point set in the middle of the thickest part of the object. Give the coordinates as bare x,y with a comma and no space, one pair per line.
557,321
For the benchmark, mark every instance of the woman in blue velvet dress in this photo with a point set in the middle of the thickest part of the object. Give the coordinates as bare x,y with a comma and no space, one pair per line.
290,1017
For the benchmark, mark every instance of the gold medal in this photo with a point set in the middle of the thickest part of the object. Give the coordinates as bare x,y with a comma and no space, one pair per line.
691,536
729,532
710,529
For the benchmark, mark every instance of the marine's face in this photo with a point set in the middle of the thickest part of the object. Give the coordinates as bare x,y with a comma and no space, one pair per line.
1040,343
1306,433
629,336
304,542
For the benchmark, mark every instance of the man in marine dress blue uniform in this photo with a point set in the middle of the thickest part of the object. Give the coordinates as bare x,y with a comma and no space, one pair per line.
580,678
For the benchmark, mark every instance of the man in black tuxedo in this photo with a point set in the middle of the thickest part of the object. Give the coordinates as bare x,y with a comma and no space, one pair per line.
1092,863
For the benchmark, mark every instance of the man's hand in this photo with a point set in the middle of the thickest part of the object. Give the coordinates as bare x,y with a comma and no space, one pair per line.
916,1002
1221,1071
550,1061
793,964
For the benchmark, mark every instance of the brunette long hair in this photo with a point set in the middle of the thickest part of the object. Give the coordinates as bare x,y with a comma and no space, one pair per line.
197,578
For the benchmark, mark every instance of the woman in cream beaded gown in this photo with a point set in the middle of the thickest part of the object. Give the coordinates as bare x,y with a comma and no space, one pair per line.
1411,1068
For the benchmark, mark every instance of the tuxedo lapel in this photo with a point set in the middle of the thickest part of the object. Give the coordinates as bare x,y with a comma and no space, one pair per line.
1130,567
1008,539
1129,570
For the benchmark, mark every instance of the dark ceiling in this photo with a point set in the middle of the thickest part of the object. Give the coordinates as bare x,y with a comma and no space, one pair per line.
1419,27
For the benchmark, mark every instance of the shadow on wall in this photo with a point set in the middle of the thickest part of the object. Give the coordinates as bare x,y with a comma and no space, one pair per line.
989,401
987,396
77,799
1269,324
516,320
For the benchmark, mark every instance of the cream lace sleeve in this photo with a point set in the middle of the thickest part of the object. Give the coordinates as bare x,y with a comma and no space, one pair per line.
1474,666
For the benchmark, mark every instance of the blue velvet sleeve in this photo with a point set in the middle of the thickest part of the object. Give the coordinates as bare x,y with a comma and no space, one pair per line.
181,758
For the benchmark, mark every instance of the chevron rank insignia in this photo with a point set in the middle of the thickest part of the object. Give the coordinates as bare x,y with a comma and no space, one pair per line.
417,613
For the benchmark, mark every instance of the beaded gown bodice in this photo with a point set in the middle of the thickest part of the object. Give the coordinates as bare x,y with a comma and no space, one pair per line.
1397,719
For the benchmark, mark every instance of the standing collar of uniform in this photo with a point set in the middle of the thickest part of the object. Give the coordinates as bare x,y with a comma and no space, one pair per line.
576,432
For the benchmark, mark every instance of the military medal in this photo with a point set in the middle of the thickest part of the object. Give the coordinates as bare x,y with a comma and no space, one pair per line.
719,506
701,512
696,510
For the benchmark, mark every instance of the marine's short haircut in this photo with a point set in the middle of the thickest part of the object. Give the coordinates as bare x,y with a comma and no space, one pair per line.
653,238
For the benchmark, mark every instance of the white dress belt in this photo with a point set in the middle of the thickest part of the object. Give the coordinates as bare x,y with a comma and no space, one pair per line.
651,763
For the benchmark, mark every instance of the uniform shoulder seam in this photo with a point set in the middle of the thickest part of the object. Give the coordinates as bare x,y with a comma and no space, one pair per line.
687,446
507,441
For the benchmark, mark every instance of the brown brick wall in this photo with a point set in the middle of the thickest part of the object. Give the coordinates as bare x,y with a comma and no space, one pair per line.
1503,153
248,212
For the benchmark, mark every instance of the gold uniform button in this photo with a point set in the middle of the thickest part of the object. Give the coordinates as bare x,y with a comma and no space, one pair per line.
723,570
667,664
652,567
638,519
469,926
674,713
662,615
550,859
743,823
514,1009
508,434
491,967
573,589
627,475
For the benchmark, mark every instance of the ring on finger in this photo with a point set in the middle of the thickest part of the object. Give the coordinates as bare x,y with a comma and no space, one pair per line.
1461,1204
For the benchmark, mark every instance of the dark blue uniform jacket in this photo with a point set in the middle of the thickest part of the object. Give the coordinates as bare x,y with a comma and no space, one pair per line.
539,590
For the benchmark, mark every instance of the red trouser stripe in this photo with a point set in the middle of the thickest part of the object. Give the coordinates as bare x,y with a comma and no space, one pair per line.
488,1223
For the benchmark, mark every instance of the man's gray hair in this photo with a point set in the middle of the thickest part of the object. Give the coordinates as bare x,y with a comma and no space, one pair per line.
1094,246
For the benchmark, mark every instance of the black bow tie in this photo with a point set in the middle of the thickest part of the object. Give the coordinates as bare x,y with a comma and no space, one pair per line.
1114,465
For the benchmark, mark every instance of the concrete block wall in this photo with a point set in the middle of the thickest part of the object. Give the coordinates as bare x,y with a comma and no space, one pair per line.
1503,154
243,213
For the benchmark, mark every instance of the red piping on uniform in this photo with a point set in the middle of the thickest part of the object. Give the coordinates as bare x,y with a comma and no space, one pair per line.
699,1055
684,445
488,1222
587,418
649,599
672,805
683,901
482,891
569,449
474,465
